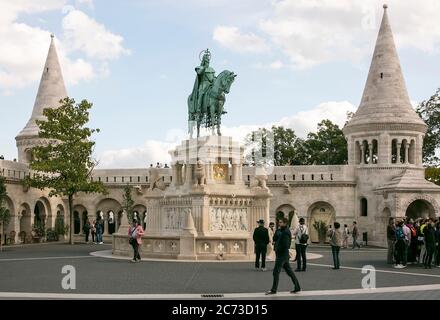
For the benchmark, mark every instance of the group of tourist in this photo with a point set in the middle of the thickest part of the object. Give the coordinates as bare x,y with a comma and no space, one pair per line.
95,228
413,242
159,165
270,240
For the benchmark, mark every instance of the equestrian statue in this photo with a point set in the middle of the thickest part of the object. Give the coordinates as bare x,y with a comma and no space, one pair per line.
206,101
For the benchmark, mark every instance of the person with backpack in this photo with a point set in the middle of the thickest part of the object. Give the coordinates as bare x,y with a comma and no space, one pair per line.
301,234
336,243
400,246
135,234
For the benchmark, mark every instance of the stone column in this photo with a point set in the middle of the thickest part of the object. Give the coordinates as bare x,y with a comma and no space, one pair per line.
235,174
174,171
399,146
370,150
105,220
406,153
189,174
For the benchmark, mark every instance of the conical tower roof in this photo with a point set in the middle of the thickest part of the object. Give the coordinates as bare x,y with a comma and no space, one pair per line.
50,92
385,99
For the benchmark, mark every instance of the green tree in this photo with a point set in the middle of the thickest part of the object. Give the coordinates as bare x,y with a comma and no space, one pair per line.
65,164
326,146
276,146
429,111
433,174
5,215
128,202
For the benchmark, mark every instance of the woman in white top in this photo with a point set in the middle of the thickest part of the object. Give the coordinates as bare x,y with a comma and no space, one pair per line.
301,234
270,251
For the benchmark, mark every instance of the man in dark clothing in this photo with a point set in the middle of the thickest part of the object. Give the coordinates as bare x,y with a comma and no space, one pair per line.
429,233
283,239
391,238
261,240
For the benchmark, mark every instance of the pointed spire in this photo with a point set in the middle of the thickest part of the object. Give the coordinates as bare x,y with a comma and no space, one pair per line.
50,91
385,98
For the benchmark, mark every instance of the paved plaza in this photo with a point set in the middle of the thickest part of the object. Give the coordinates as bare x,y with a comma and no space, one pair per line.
34,271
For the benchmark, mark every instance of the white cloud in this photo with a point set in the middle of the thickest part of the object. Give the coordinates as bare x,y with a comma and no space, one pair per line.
82,33
232,38
151,152
157,151
312,32
24,47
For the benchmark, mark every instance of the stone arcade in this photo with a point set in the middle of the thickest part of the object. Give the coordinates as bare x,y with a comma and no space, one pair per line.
203,206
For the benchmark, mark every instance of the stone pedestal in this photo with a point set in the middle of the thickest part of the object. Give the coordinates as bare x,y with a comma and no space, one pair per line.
207,212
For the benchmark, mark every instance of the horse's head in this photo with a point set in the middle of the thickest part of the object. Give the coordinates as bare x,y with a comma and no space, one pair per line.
225,79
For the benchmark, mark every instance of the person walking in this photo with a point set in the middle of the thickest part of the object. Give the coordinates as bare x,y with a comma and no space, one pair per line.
283,239
86,230
400,246
301,235
270,252
135,233
93,231
345,235
336,243
355,235
261,240
391,239
99,229
429,233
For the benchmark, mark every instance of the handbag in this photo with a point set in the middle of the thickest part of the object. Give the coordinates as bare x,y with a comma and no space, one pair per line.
304,237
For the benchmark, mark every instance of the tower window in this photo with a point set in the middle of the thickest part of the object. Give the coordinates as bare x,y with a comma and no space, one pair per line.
47,69
381,75
364,207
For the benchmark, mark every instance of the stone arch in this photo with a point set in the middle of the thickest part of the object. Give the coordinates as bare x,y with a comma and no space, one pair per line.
60,218
79,212
319,211
104,208
284,210
420,209
141,211
430,205
41,211
25,217
11,224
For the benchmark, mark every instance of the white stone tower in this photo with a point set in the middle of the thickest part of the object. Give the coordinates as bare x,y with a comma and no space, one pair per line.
50,92
385,140
385,131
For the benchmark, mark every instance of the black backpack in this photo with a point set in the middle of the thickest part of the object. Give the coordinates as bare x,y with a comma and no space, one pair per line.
304,237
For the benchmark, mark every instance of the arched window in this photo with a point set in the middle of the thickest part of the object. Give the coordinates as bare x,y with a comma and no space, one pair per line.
364,207
394,151
375,152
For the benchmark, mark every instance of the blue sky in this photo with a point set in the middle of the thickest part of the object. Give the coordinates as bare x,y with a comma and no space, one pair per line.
297,62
